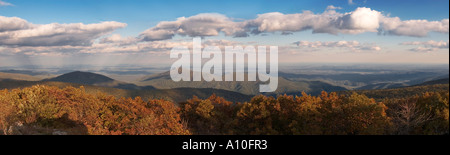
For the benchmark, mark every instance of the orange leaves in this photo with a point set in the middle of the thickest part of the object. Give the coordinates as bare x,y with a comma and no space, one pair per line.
355,114
286,115
74,111
214,115
43,110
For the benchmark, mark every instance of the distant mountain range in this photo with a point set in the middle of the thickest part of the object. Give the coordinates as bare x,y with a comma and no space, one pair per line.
163,81
382,86
23,75
87,78
361,81
401,85
160,86
398,93
16,76
175,95
24,72
434,82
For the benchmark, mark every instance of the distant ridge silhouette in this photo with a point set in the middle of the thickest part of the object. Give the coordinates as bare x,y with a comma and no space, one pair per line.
88,78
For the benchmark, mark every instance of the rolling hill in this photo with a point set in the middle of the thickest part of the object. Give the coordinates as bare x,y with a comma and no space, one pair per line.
382,86
27,72
14,76
87,78
285,86
19,76
396,93
399,91
434,82
366,81
175,95
161,86
182,91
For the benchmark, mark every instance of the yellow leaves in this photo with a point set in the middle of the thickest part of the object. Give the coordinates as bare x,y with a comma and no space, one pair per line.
214,115
204,109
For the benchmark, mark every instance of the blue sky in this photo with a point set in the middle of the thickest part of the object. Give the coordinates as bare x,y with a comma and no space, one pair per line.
141,15
146,13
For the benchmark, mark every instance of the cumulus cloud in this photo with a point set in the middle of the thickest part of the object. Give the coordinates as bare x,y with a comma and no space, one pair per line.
358,21
413,28
13,23
198,25
351,45
3,3
427,46
18,32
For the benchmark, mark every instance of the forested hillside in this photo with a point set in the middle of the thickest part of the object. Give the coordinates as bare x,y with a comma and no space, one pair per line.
50,110
399,93
174,95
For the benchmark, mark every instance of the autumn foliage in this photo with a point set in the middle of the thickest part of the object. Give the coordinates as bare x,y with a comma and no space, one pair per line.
286,115
421,114
50,110
326,114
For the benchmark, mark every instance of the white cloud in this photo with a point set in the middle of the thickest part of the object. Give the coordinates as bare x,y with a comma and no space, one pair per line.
13,23
350,45
198,25
3,3
413,28
18,32
427,46
19,36
359,21
362,20
331,7
431,43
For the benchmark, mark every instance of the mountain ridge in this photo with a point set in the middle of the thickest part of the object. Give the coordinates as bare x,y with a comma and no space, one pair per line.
88,78
175,95
285,86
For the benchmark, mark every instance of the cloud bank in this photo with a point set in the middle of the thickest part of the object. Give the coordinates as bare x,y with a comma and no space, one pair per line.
427,46
359,21
350,45
20,36
18,32
198,25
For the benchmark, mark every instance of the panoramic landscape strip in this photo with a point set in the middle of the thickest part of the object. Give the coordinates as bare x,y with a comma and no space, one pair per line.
204,67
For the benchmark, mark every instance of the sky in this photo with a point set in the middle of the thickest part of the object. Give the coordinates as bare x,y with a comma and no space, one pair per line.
142,32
